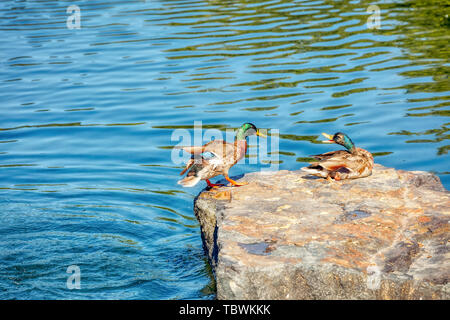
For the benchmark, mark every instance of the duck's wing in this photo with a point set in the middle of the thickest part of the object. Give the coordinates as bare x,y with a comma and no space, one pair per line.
351,162
218,148
191,149
331,154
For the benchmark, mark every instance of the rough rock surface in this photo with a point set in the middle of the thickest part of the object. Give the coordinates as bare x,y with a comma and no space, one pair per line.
286,235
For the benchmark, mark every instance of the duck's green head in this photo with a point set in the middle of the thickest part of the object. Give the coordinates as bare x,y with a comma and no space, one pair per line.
248,129
340,138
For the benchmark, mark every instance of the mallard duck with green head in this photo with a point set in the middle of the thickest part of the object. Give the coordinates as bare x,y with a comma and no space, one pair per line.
225,155
352,163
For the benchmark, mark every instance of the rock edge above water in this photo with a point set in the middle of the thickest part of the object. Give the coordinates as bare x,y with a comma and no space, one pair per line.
286,235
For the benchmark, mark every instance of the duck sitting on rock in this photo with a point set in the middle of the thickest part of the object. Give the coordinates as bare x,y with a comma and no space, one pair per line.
352,163
225,154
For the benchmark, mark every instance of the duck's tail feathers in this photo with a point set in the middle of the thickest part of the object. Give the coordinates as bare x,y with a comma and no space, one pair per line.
188,165
189,181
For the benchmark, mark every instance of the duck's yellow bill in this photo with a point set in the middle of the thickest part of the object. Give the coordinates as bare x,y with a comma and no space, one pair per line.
258,133
329,137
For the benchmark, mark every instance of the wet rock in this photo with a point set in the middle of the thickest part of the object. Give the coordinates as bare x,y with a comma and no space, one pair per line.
286,235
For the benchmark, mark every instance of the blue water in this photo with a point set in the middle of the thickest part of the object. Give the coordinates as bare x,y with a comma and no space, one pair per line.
86,176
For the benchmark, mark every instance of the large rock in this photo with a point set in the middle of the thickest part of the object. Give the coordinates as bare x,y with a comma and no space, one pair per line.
286,235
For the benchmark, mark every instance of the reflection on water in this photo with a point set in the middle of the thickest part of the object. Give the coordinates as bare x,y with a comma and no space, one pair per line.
85,137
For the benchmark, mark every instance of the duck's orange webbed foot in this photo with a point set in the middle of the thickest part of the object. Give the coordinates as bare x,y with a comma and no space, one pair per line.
234,183
213,185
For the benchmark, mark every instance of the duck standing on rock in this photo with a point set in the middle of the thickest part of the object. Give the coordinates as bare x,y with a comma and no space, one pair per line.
352,163
225,154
